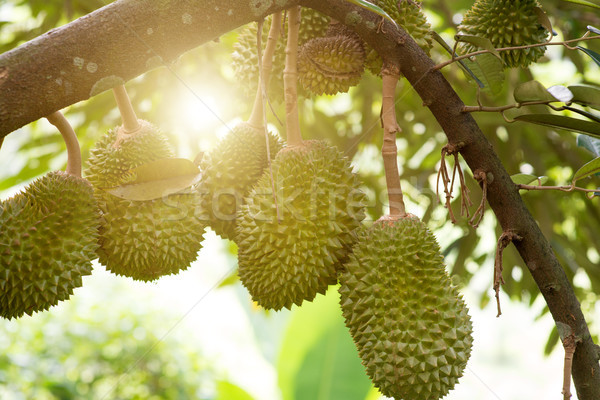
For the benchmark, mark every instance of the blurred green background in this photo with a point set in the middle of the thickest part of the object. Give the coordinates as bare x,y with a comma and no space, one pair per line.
197,335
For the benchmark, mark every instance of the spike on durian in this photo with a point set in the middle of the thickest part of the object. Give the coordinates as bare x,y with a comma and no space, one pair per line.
409,323
506,23
290,251
52,228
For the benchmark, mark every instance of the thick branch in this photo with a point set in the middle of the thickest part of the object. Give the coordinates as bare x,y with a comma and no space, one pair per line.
129,37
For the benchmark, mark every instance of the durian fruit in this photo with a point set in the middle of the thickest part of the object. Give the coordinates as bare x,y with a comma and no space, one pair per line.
230,170
245,58
331,64
290,250
407,14
48,238
143,240
409,323
506,23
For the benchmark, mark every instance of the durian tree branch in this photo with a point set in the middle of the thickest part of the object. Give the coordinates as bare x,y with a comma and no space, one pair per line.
129,37
398,48
73,150
389,151
290,79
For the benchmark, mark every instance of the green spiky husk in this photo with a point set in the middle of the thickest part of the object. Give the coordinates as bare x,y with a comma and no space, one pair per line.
245,59
143,240
409,323
407,14
48,240
230,171
286,261
506,23
331,64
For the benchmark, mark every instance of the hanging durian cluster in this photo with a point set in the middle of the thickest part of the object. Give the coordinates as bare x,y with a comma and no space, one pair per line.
408,15
229,172
409,323
143,240
333,63
245,57
48,239
506,23
291,246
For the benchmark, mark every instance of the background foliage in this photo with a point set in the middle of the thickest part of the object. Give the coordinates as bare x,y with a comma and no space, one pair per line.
76,352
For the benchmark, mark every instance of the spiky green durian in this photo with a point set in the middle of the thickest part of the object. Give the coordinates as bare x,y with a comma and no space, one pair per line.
143,240
506,23
245,59
290,250
409,323
407,14
48,238
229,172
331,64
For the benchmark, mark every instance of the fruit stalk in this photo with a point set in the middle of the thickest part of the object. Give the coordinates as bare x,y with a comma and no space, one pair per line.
257,119
290,79
389,150
130,121
73,151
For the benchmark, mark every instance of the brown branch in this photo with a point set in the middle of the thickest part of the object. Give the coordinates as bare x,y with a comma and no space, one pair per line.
73,151
290,79
70,64
389,150
465,199
503,241
569,344
481,177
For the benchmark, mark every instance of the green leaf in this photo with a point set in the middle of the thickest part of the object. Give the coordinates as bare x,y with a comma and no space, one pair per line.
590,168
543,19
229,391
318,360
480,42
489,70
595,56
461,63
552,341
562,122
583,3
157,179
527,179
586,95
532,91
232,279
590,143
373,8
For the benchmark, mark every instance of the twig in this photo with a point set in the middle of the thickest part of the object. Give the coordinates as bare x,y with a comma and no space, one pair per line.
506,107
290,79
564,188
73,151
569,344
528,46
481,177
505,239
465,202
130,121
389,150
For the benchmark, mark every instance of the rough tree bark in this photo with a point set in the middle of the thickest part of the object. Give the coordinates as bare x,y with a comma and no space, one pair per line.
129,37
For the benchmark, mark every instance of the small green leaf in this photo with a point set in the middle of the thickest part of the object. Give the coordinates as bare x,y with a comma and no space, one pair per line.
232,279
489,70
595,56
463,66
527,179
590,168
532,91
229,391
543,19
157,179
480,42
586,95
373,8
562,122
552,341
590,143
583,3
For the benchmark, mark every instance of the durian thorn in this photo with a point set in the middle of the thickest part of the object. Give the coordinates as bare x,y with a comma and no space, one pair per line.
290,79
389,150
130,121
73,151
504,240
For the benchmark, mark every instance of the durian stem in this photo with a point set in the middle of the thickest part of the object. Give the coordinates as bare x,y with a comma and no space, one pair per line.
265,66
290,79
130,121
389,150
73,151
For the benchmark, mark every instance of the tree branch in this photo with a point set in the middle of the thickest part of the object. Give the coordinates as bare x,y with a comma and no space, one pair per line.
127,37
